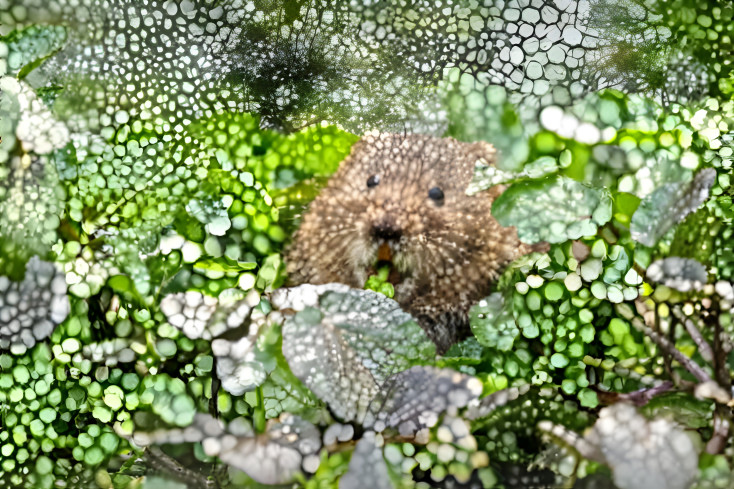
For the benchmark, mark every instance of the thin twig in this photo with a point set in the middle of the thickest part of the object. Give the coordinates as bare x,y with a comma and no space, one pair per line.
721,367
704,348
162,461
641,397
690,365
666,358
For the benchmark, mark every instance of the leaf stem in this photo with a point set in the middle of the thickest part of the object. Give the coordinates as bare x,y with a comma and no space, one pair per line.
258,416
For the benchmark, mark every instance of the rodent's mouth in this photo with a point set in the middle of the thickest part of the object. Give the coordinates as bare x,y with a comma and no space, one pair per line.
385,257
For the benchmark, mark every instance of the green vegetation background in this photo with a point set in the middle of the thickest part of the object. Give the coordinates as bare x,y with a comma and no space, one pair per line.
131,208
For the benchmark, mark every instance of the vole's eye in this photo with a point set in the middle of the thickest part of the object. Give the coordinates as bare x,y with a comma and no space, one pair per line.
373,181
436,195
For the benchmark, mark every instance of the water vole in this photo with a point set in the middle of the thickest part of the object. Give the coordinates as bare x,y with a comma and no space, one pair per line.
402,199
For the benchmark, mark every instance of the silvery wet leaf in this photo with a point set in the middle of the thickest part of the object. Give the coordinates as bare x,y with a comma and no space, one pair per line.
668,205
488,404
29,310
415,398
289,445
367,468
642,453
383,337
682,274
242,363
553,209
486,176
354,349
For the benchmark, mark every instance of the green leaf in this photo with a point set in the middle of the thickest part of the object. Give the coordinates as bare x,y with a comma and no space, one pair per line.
28,48
489,176
554,209
379,283
224,265
493,324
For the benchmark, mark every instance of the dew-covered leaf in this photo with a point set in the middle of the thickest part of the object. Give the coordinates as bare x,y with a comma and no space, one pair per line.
29,310
27,48
486,405
487,176
323,360
367,467
554,209
242,363
642,453
682,274
492,323
415,398
668,205
383,337
31,197
288,447
283,392
354,351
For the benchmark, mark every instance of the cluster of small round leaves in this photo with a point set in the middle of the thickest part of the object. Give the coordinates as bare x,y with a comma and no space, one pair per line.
723,256
641,453
560,303
95,445
480,111
85,274
507,431
451,454
34,128
41,403
629,143
714,473
29,310
201,316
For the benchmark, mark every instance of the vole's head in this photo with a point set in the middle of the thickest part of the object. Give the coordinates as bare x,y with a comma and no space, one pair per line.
399,199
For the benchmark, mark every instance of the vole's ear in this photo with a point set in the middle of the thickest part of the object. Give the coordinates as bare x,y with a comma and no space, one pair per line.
482,152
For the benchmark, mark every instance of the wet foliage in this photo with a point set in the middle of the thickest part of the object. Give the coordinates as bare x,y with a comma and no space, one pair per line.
156,156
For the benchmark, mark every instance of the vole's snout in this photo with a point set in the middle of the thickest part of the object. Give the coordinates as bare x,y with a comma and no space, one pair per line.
386,228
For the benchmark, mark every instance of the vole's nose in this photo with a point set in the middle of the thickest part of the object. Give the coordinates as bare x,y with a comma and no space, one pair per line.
386,229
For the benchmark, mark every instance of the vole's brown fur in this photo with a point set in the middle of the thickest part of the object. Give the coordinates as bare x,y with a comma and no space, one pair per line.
446,252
